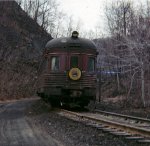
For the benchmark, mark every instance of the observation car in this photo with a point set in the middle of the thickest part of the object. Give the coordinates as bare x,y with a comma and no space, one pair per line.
69,73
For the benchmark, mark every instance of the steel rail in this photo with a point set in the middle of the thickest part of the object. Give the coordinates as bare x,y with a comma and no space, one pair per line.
124,116
108,123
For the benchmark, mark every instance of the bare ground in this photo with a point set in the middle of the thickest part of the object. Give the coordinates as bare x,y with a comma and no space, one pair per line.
16,130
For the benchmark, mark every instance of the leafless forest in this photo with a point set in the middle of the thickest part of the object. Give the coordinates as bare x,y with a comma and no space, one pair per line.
123,60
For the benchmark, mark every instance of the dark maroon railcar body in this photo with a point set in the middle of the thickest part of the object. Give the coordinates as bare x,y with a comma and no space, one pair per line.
69,74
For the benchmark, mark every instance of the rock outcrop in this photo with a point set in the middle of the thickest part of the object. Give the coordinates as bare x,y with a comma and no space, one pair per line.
22,42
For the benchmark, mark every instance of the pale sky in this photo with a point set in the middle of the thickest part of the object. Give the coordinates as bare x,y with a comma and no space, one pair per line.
90,12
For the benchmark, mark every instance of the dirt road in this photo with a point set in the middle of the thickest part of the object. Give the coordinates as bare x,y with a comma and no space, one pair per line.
15,130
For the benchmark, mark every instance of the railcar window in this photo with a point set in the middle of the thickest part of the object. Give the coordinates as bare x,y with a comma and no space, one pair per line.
91,64
74,61
55,63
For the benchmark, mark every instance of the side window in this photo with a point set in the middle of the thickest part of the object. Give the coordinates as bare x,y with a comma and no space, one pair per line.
55,63
91,64
74,61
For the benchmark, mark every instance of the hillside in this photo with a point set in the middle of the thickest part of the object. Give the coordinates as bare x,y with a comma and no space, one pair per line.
21,44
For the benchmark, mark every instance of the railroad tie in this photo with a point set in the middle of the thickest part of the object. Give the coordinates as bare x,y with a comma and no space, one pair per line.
134,138
120,133
144,141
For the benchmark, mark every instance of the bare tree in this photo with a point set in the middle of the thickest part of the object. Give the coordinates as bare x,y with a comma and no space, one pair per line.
44,12
118,16
130,33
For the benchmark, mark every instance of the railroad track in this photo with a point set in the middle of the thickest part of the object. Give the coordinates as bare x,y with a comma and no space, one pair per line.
126,117
132,128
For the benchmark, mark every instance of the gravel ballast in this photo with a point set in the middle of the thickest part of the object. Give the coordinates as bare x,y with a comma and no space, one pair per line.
72,133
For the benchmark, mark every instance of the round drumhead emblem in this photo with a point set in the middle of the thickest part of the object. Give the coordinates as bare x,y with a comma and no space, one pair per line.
75,74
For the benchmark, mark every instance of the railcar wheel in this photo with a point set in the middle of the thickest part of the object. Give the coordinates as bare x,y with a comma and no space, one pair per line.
92,105
55,102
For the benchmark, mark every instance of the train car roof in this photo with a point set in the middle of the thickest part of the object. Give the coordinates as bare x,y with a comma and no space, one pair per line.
70,42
